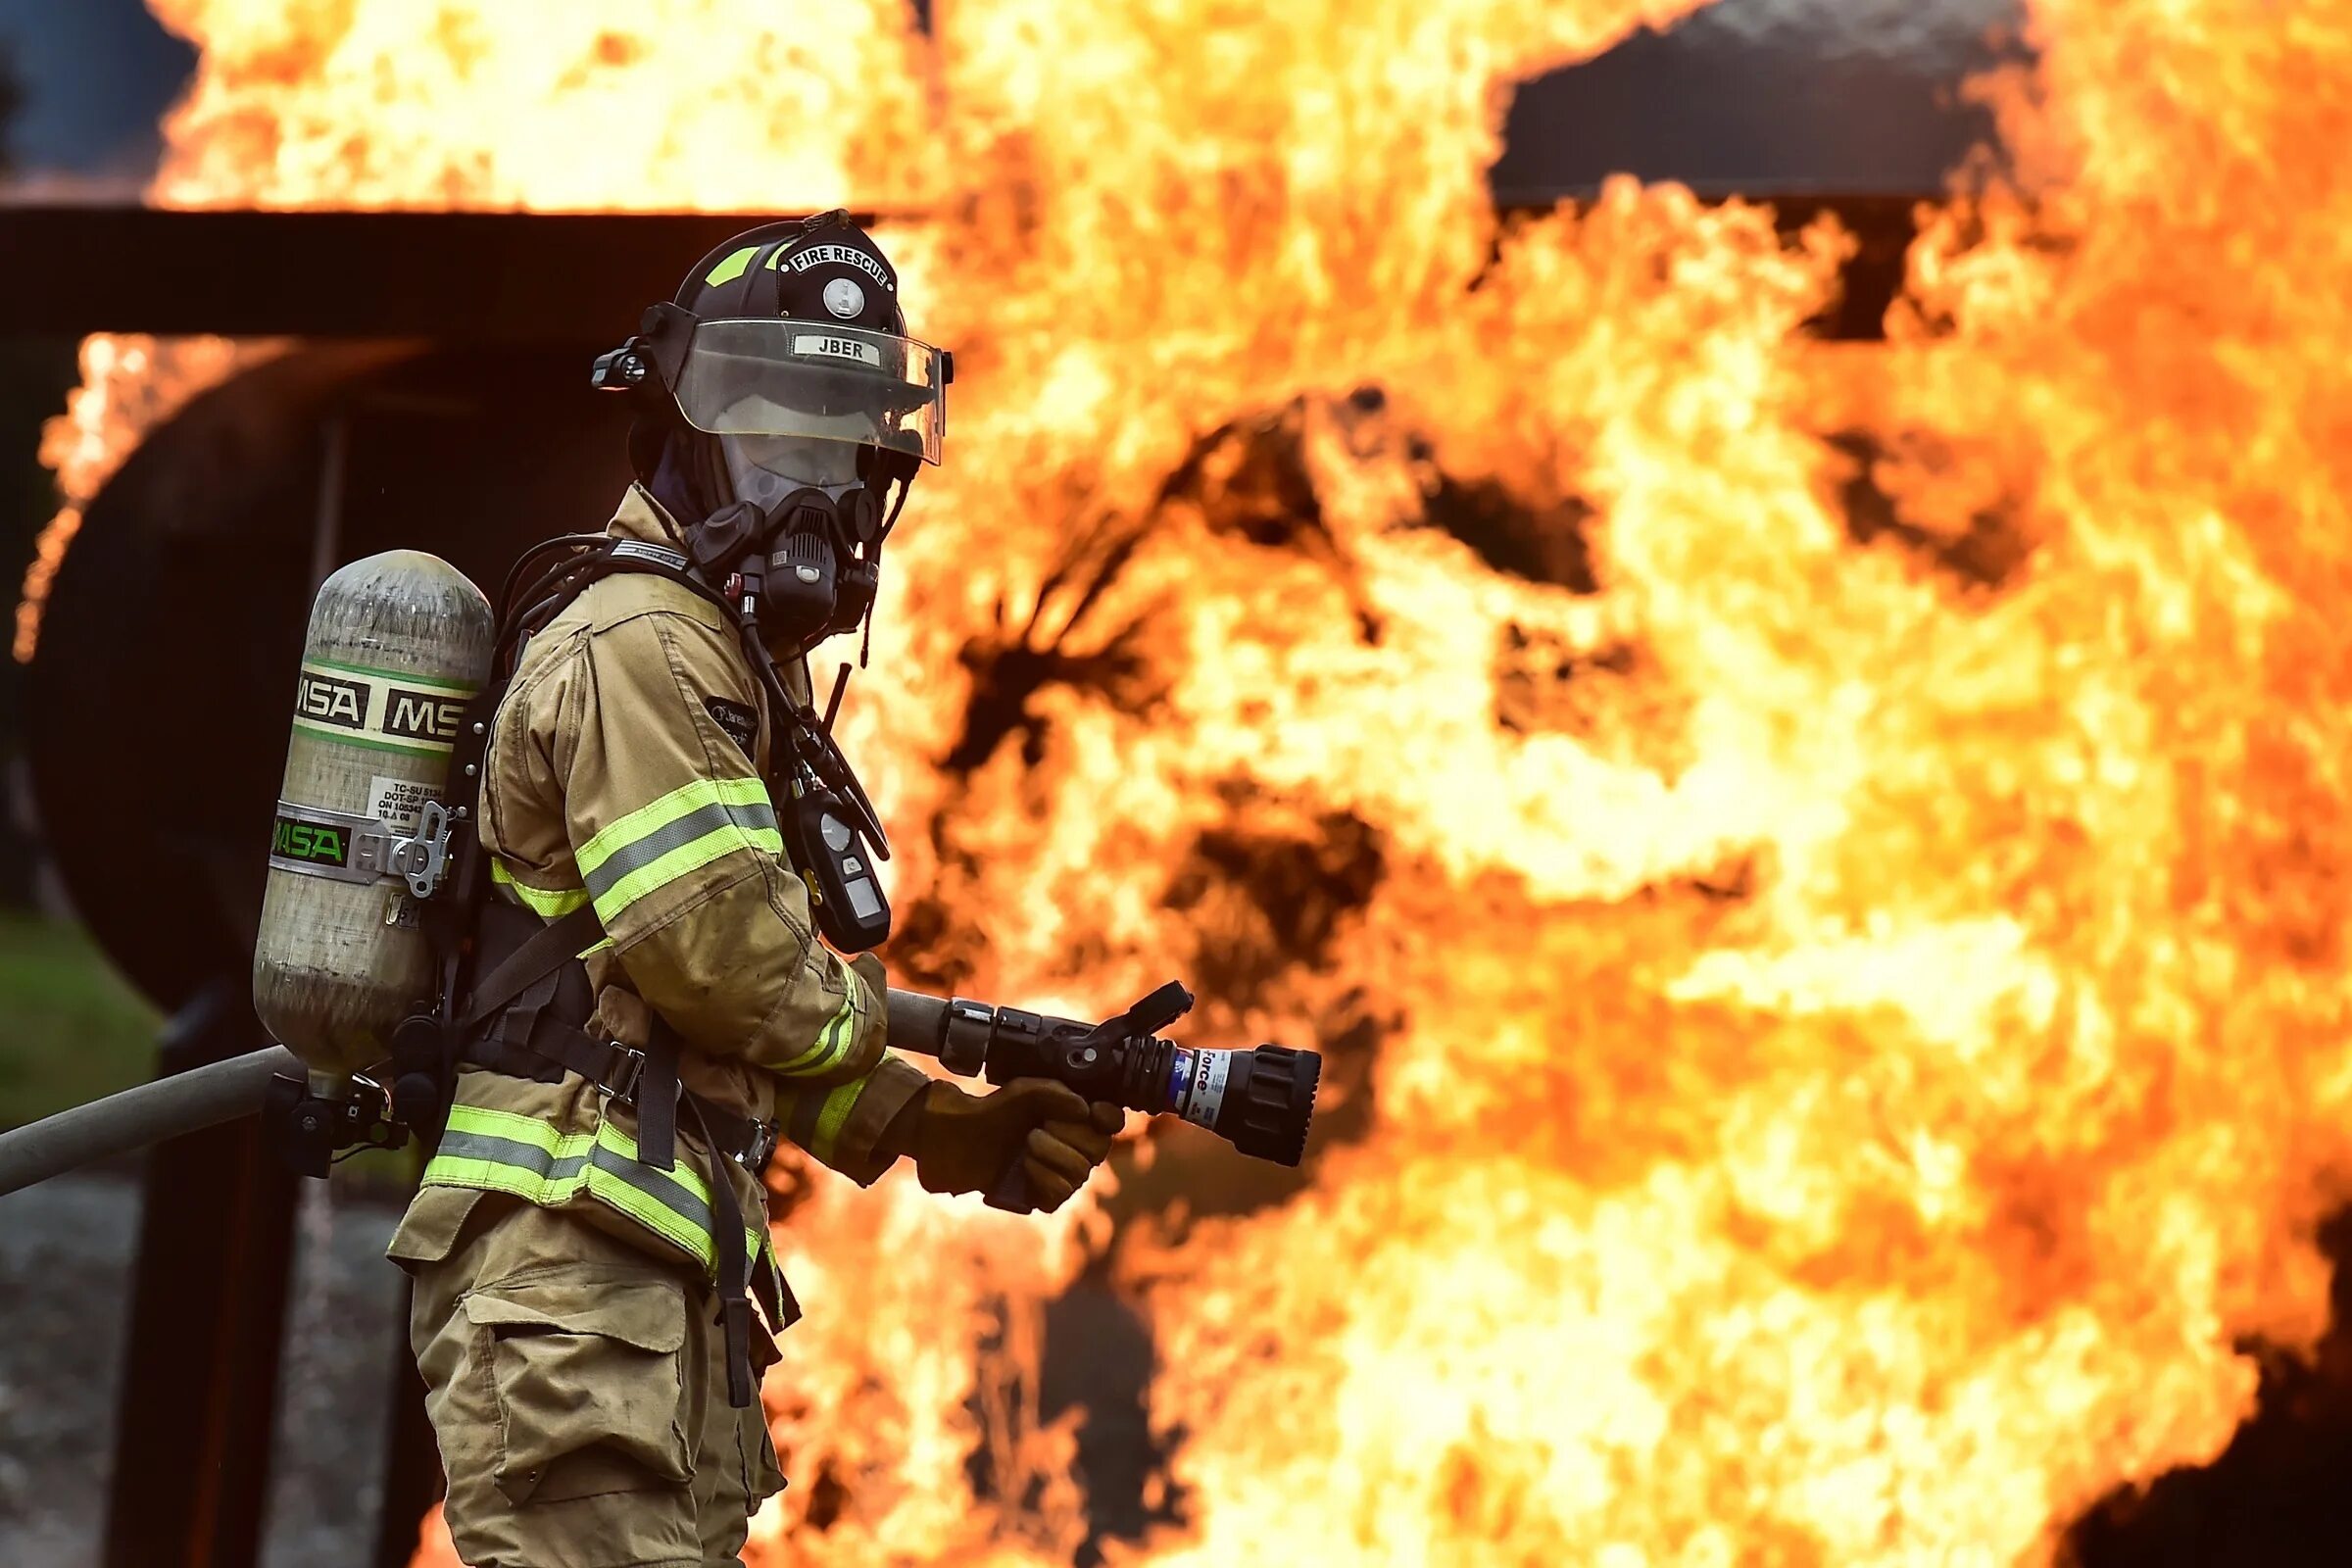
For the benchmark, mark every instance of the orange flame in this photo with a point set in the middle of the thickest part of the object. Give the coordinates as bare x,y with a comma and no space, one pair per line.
1856,984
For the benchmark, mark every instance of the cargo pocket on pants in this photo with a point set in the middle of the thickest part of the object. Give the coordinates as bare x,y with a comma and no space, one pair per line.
587,1378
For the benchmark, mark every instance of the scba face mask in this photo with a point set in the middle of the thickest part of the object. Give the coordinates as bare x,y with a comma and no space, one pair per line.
819,533
822,565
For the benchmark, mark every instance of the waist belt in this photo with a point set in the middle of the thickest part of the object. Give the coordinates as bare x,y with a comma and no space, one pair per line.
526,1019
620,1073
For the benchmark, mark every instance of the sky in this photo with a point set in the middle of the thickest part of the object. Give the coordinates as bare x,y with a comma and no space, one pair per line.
97,75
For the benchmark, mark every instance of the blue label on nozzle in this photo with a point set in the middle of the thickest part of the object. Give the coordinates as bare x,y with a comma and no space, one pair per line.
1204,1096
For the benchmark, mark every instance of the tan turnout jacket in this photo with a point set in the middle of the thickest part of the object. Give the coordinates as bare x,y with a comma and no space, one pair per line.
625,771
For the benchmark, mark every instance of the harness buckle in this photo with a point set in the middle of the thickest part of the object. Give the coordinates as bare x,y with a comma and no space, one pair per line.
761,1149
421,857
619,1080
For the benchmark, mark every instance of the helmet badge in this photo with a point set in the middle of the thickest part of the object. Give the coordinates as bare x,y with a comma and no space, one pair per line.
844,297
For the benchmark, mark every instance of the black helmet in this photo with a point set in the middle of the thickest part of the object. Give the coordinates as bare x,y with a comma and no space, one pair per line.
821,269
788,344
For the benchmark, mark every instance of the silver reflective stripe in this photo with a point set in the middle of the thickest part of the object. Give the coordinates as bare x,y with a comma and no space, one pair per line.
756,817
508,1151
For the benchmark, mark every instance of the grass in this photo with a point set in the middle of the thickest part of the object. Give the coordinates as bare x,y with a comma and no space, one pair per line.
71,1028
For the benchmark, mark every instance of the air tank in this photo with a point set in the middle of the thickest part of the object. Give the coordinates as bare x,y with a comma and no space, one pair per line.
399,643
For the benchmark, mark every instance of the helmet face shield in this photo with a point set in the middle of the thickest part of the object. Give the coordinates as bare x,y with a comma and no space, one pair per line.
844,386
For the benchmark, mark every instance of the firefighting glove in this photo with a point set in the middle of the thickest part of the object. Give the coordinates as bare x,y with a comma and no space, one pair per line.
963,1142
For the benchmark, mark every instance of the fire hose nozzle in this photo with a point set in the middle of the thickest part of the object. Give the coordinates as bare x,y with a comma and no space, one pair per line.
1261,1101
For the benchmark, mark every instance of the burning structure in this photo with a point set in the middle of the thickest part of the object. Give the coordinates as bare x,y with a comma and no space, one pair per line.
1821,867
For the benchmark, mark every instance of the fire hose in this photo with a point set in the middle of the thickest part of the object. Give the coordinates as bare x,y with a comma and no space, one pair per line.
184,1102
1259,1100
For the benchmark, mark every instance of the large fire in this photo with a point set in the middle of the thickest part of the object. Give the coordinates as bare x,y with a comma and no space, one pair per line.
1853,947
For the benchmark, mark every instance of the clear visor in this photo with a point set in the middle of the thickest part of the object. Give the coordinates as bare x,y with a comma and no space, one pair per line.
817,383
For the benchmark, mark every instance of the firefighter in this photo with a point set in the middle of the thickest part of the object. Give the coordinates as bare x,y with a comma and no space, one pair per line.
588,1246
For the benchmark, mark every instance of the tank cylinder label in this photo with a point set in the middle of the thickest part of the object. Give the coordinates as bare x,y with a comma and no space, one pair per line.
379,710
397,800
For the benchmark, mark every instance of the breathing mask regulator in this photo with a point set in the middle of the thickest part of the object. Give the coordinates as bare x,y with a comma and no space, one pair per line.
782,406
803,537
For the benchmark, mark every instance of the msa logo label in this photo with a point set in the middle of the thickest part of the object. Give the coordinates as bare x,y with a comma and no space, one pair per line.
310,843
422,715
378,710
330,699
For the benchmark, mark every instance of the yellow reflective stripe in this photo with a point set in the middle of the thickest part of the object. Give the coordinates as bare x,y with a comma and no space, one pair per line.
683,801
834,1114
490,1176
693,1232
734,267
547,906
832,1044
625,1147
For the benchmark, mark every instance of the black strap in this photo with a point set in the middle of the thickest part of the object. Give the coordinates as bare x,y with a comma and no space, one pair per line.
547,950
866,638
734,1275
658,1092
607,1065
906,488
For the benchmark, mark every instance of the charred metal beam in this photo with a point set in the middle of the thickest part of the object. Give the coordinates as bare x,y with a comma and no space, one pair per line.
522,277
510,277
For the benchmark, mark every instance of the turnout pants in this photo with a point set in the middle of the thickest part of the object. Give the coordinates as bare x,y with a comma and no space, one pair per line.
578,1389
